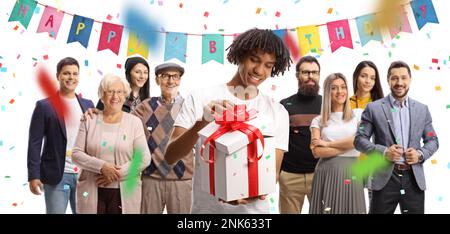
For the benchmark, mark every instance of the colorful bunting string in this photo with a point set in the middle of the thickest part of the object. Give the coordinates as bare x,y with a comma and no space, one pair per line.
308,37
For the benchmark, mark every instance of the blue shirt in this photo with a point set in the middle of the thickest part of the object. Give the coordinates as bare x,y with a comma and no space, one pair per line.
401,117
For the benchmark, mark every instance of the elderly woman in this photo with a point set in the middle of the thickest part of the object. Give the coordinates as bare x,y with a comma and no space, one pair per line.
108,147
137,74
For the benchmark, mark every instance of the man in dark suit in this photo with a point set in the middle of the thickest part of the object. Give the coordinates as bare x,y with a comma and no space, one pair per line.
51,169
398,124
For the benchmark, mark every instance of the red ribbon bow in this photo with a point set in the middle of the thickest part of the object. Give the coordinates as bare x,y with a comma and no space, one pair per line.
235,121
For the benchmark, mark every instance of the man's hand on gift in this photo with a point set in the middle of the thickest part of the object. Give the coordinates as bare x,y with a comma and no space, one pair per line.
244,201
214,108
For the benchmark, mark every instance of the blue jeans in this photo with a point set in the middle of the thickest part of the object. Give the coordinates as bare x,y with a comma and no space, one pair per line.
57,196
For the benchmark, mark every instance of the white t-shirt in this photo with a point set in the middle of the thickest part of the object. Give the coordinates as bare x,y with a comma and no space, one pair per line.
271,116
337,129
72,122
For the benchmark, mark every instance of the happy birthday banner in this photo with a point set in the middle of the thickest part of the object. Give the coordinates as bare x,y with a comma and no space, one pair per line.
308,37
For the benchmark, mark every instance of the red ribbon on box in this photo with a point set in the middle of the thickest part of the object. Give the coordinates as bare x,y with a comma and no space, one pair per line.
235,121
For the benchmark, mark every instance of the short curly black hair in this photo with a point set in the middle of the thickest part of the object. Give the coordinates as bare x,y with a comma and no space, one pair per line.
264,40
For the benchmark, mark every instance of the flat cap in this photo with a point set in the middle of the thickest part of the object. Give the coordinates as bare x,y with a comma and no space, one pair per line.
168,66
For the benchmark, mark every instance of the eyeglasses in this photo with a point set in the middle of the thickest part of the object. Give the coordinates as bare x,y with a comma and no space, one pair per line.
110,93
166,77
306,73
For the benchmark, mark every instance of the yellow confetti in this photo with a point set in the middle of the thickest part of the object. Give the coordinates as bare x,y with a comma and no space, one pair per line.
69,153
438,88
330,10
433,161
416,67
258,10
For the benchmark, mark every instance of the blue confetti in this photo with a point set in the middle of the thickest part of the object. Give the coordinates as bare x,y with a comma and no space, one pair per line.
37,10
3,69
1,143
86,62
66,187
12,148
448,165
3,108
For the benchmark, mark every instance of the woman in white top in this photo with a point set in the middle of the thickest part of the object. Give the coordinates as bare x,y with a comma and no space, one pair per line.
334,189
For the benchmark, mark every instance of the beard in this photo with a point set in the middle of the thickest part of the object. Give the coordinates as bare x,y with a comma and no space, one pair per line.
396,96
309,90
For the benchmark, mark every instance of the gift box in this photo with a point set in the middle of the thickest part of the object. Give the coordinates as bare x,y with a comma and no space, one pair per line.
238,159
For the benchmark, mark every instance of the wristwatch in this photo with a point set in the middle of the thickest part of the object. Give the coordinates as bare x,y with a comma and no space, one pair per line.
420,157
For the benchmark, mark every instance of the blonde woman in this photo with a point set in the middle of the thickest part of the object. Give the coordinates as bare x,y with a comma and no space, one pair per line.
104,150
334,189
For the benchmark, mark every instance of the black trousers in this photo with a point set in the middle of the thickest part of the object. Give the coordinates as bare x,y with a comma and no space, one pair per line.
401,188
109,201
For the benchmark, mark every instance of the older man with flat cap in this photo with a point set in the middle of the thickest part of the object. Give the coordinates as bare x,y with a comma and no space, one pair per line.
163,185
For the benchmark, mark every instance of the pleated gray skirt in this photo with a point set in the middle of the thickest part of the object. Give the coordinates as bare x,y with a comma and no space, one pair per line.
335,190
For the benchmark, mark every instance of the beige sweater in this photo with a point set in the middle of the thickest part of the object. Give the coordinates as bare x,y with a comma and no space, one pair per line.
85,154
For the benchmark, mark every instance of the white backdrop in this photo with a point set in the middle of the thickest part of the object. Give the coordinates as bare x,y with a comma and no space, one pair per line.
19,47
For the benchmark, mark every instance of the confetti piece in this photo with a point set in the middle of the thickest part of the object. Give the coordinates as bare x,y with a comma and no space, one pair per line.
366,54
1,65
37,10
14,204
234,173
297,1
205,27
258,10
448,106
7,177
109,17
75,169
160,3
448,165
104,144
430,134
271,200
3,108
12,147
181,5
66,187
268,156
288,103
133,172
353,177
346,181
18,56
402,191
206,14
390,54
69,153
330,10
1,143
416,67
274,87
438,88
433,161
45,57
85,194
393,110
119,65
234,156
110,149
277,14
327,210
124,137
3,69
86,62
100,72
434,60
11,101
263,127
16,27
149,128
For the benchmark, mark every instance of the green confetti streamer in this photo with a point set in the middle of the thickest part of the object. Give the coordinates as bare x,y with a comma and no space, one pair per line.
133,172
372,163
268,156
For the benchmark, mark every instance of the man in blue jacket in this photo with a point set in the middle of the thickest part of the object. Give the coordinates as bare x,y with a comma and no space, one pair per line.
51,169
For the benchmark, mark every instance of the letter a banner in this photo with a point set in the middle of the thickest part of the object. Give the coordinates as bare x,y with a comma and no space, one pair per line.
50,21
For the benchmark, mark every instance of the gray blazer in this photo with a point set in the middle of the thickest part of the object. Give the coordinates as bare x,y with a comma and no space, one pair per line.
377,120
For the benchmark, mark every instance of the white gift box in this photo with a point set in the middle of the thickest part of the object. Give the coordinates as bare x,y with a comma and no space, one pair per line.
231,179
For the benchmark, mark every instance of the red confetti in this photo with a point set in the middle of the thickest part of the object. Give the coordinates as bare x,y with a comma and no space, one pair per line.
347,181
181,5
17,26
293,47
34,65
277,14
109,17
49,90
12,101
75,169
14,204
274,87
1,64
18,56
430,134
434,60
206,27
45,57
206,14
119,65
